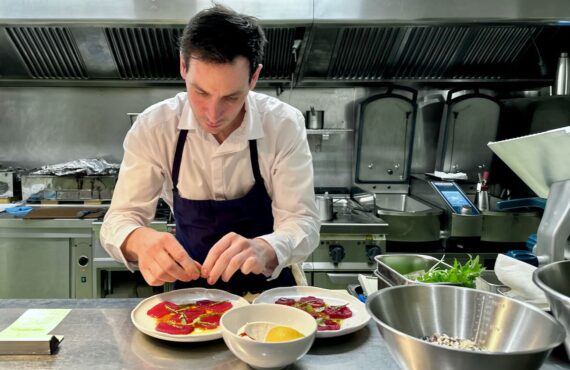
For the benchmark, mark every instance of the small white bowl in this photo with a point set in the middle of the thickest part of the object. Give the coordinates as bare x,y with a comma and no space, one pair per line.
262,355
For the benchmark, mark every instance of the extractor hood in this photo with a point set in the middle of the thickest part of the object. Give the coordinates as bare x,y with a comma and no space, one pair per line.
311,42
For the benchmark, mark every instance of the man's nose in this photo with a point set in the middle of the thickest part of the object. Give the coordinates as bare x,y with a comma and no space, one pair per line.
215,110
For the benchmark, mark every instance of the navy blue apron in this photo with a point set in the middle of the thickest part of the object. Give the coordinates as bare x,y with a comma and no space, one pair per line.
201,223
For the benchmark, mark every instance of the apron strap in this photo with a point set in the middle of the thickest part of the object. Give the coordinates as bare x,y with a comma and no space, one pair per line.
255,162
178,159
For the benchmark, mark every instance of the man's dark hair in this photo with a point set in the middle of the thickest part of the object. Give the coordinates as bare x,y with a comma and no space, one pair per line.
219,35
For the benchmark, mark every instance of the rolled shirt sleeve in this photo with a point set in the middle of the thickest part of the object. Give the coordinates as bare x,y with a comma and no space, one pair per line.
136,192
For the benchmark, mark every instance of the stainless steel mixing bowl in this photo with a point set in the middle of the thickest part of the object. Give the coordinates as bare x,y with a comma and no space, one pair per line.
554,279
515,335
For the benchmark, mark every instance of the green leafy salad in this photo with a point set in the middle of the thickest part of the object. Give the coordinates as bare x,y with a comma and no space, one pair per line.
462,274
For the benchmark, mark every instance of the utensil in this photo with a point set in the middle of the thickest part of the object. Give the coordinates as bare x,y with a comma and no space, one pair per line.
553,279
514,335
264,355
359,319
394,268
562,79
147,324
488,281
315,119
325,206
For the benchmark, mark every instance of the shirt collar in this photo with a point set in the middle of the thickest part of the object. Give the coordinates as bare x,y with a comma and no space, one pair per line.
250,129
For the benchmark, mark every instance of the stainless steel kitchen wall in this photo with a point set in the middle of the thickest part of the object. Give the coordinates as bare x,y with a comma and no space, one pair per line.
48,125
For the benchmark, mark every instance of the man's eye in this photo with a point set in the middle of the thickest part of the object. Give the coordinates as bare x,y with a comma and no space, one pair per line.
201,93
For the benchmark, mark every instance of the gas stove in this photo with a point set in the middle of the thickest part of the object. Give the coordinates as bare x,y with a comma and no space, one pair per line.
348,242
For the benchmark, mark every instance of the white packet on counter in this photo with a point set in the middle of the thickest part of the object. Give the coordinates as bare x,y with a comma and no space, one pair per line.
517,275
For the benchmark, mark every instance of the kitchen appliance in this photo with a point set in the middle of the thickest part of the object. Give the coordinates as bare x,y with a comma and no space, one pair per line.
515,335
49,259
42,188
386,125
553,280
9,185
348,242
470,120
409,219
460,218
384,139
540,160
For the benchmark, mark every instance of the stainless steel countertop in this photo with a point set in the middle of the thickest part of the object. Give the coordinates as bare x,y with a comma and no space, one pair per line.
99,335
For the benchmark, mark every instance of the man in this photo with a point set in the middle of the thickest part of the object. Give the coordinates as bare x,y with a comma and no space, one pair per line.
233,165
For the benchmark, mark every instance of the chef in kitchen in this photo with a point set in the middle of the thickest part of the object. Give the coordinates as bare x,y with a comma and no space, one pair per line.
233,165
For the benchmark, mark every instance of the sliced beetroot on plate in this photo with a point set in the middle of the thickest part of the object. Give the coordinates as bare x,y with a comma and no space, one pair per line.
220,307
328,325
172,329
208,322
338,312
285,301
313,301
161,309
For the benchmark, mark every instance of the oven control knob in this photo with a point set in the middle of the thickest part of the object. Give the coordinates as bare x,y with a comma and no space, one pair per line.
336,253
83,261
372,251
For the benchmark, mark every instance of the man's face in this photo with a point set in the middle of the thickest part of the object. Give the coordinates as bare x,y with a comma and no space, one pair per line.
217,93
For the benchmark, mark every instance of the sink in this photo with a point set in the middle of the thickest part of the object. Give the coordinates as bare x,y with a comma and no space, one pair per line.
409,219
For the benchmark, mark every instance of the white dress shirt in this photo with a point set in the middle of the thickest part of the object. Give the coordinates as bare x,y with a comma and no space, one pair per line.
210,170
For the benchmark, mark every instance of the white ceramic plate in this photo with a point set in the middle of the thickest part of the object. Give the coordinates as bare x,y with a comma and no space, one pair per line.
147,324
359,317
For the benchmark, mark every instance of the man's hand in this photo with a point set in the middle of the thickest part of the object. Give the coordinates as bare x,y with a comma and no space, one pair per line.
234,252
160,257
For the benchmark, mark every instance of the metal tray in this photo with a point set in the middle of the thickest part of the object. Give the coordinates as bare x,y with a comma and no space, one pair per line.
489,282
393,268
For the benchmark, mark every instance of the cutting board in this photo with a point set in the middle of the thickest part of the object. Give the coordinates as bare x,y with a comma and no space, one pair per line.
63,212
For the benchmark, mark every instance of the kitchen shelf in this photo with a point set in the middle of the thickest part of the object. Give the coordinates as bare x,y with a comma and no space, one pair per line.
328,131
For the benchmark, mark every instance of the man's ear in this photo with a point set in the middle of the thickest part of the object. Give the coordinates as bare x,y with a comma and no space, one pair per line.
255,76
183,68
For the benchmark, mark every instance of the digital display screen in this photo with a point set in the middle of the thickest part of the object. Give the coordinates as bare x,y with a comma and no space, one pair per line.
454,197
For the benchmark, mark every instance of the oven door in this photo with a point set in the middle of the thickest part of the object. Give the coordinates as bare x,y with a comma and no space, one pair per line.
43,258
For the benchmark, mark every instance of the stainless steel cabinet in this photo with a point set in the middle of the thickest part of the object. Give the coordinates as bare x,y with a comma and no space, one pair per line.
45,258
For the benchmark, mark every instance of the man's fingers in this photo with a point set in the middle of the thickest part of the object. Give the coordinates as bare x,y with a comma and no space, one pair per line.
157,274
235,264
215,253
250,265
167,261
184,267
225,259
168,268
150,279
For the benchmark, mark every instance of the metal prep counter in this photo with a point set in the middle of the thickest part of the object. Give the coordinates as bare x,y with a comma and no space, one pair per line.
99,335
